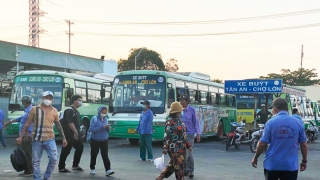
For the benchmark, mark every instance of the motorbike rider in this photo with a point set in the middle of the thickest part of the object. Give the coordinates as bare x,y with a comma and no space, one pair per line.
264,114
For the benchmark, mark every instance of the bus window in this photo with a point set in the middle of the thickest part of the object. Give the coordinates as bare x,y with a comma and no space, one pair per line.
213,99
231,100
179,92
192,94
223,100
170,97
203,97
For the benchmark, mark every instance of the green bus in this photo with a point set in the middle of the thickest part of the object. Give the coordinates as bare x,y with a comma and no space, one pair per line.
63,85
246,103
215,109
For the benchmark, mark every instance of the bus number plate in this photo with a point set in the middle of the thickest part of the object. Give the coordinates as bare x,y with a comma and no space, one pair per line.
131,131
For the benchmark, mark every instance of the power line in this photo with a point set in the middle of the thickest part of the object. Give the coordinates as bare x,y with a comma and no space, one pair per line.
207,34
208,21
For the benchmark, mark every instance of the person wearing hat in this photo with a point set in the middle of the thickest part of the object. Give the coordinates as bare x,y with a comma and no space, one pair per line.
25,145
144,128
282,135
264,114
190,119
43,116
175,143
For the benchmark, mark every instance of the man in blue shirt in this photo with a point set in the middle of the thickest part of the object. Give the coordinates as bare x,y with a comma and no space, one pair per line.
145,130
1,127
189,118
26,145
283,134
295,114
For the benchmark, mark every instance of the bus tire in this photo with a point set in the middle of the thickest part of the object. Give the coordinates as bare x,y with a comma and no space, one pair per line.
220,131
134,141
84,129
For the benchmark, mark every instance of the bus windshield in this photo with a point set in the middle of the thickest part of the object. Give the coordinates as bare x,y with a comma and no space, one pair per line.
35,90
247,101
130,90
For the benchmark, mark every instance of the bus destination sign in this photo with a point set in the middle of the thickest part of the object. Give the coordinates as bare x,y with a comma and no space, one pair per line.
134,80
253,86
54,79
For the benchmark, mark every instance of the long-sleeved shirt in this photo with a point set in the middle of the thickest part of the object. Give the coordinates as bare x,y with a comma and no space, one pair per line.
22,119
190,119
99,133
145,122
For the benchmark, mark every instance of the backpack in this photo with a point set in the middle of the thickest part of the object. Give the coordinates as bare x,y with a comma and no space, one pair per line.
64,123
90,133
18,159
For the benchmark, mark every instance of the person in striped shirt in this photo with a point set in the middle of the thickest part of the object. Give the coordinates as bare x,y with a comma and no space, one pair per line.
43,117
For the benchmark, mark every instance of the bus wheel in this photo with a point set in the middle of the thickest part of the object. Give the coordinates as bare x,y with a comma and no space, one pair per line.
134,141
84,129
220,131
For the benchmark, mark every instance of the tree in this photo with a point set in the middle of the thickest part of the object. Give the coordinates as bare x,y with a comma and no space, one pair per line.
171,65
147,60
300,77
217,81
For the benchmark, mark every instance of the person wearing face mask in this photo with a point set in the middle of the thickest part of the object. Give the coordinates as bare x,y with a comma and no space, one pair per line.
71,128
99,129
25,145
43,117
144,128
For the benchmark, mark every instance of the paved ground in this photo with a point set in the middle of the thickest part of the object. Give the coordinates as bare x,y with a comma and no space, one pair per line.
212,162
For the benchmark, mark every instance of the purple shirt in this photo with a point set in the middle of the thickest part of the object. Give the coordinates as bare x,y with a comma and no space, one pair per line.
190,119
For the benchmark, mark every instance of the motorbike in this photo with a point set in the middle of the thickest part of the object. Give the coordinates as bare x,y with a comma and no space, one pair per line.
312,132
236,133
255,137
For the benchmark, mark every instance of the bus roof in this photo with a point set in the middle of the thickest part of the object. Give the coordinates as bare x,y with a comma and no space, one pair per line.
68,75
180,76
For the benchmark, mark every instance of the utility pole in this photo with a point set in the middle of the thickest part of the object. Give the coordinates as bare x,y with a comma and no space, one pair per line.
69,34
301,56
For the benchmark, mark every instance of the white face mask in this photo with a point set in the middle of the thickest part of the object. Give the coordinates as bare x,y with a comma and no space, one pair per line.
79,103
103,115
46,102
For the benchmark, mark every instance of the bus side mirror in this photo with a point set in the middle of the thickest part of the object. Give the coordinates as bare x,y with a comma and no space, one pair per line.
69,92
312,105
102,93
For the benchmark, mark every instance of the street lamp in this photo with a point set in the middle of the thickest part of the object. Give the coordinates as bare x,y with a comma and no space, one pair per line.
135,59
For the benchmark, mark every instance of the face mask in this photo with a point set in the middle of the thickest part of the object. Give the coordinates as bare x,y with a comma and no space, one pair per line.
181,114
46,102
79,103
103,115
143,106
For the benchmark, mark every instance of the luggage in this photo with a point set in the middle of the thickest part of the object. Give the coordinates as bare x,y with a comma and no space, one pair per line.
18,159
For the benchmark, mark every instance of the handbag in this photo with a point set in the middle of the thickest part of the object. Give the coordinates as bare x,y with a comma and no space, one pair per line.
159,163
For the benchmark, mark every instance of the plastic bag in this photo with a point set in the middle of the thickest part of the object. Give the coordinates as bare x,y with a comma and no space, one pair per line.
159,163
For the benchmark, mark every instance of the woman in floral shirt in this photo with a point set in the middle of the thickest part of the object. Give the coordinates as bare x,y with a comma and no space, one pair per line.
175,143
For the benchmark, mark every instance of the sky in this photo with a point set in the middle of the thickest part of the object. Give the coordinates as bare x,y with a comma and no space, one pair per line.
228,39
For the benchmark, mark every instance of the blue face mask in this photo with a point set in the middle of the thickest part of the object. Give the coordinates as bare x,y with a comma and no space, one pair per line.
143,106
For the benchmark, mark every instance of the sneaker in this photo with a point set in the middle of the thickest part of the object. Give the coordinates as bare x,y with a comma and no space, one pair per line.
150,160
92,172
109,172
141,159
64,170
25,174
77,168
